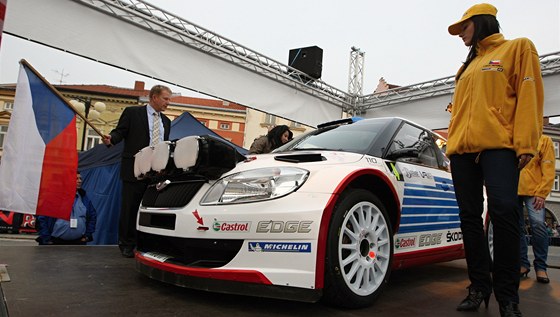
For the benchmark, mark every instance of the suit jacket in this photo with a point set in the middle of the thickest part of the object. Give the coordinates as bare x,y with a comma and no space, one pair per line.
134,129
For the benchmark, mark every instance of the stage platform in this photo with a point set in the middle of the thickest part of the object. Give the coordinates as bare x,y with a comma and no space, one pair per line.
98,281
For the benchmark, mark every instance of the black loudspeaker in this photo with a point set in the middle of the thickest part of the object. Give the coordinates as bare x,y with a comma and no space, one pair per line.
308,60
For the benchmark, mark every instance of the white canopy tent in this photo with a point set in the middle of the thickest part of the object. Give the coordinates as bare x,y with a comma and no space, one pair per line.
134,41
144,39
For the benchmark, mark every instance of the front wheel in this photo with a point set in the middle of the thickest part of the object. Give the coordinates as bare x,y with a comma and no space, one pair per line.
359,250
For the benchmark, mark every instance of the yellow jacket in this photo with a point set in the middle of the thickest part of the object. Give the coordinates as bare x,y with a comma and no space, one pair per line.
537,178
498,100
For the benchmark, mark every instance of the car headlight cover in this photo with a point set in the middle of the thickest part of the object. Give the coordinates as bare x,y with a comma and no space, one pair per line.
255,185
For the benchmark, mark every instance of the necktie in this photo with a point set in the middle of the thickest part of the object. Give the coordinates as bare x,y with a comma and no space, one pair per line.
155,129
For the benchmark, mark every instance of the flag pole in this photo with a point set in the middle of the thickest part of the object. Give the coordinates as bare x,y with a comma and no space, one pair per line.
55,91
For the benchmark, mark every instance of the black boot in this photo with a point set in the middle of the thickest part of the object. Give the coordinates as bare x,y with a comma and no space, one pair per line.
473,300
509,309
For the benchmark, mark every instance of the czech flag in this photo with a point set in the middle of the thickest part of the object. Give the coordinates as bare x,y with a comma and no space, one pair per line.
40,160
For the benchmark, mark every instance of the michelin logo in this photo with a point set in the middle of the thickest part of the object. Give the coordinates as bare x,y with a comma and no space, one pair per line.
300,247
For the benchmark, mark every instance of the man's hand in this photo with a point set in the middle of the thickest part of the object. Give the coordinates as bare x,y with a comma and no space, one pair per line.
524,159
106,139
538,203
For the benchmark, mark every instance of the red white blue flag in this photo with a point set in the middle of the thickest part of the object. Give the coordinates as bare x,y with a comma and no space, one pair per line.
39,161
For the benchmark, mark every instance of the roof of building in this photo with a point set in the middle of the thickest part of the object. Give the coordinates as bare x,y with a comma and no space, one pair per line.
139,91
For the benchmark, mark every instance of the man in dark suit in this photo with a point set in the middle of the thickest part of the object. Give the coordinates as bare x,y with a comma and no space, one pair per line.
139,127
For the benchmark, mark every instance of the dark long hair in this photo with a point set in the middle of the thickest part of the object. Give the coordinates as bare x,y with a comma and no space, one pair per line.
275,135
484,26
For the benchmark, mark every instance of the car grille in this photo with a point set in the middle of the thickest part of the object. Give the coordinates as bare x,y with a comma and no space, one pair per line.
176,194
207,253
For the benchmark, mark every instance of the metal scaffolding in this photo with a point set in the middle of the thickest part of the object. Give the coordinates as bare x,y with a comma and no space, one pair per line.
550,64
356,78
166,24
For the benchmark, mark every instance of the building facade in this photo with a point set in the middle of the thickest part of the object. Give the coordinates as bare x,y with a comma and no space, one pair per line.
237,124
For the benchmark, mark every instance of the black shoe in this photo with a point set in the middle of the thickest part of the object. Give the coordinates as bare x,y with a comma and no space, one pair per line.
524,271
543,279
473,300
127,252
509,309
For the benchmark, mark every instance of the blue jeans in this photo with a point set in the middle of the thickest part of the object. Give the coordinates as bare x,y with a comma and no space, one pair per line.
539,235
497,171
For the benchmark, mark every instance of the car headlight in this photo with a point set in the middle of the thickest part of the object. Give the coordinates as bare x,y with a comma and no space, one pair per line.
255,185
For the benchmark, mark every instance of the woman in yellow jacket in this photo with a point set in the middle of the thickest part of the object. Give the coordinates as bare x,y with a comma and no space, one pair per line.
535,183
496,121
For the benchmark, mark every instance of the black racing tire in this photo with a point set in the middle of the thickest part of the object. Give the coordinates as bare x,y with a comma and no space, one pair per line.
359,251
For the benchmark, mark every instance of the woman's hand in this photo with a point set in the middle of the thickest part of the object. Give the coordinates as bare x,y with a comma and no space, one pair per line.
524,159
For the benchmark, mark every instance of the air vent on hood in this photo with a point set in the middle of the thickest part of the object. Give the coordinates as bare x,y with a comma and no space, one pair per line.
300,158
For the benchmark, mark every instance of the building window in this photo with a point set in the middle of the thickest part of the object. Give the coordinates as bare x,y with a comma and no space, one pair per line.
556,149
224,126
295,125
556,185
92,139
8,105
203,123
269,119
3,133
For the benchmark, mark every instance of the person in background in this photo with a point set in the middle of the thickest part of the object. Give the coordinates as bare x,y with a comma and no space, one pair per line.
276,137
139,127
496,122
535,183
78,230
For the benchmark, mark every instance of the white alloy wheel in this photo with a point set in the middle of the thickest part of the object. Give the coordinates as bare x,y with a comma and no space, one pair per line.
364,248
359,250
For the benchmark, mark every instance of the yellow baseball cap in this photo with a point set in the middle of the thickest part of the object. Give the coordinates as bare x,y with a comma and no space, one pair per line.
477,9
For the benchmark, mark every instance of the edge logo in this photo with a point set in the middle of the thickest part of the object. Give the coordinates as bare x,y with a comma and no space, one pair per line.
430,239
293,226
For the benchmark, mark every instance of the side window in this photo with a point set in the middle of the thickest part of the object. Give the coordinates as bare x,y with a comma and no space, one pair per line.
443,160
414,145
3,133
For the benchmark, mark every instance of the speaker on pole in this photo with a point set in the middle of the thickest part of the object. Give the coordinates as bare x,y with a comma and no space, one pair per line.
308,60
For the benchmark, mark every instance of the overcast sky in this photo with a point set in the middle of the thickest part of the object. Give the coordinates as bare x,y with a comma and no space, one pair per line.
405,41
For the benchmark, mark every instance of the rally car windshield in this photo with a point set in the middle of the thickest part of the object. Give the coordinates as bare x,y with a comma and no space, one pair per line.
357,137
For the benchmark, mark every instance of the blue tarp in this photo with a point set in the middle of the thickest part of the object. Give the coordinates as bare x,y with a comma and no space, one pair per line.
100,170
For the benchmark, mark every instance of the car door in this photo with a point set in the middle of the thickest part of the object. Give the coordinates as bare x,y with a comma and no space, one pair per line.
429,214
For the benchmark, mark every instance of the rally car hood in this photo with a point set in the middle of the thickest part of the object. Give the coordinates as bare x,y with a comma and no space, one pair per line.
297,158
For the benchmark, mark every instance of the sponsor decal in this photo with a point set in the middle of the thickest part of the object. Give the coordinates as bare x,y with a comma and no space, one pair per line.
231,226
495,62
415,176
284,226
395,170
405,243
295,247
371,160
454,236
492,69
429,239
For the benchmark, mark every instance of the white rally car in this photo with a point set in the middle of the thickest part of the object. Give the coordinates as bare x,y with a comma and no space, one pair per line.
326,216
